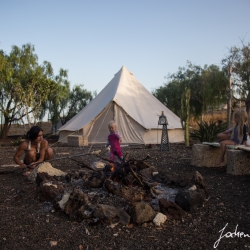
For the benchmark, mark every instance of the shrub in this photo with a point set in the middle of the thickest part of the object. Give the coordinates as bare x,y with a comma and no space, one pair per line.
208,132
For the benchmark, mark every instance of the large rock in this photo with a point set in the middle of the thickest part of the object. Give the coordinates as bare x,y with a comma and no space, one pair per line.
78,206
76,174
111,214
170,209
148,172
238,162
96,179
199,182
142,213
45,177
176,180
190,200
49,191
45,167
205,155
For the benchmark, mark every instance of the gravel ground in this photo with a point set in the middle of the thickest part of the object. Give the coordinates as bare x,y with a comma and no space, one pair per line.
27,223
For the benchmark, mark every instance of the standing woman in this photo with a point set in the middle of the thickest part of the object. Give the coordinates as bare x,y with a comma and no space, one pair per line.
35,148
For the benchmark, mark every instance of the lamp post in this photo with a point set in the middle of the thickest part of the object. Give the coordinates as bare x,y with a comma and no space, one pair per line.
164,136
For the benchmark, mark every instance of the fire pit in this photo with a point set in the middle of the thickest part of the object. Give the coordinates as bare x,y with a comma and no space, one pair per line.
126,191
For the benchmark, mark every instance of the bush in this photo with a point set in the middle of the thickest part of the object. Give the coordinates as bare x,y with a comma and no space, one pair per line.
208,132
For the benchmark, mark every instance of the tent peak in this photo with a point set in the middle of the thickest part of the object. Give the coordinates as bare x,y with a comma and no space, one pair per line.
123,68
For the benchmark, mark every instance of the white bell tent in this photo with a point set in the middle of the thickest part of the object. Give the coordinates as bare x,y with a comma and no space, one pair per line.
135,110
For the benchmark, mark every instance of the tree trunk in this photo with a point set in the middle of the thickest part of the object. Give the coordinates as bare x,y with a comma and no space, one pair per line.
202,113
27,116
5,130
247,102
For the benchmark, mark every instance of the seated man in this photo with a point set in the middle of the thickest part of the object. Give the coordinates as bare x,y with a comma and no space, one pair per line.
35,148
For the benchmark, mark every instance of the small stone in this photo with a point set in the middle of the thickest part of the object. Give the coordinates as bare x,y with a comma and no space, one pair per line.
131,225
193,188
159,219
53,243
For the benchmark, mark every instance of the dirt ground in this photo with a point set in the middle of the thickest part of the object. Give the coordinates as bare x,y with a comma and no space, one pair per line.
28,223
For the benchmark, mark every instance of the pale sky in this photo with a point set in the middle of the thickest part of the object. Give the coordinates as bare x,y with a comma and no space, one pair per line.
93,39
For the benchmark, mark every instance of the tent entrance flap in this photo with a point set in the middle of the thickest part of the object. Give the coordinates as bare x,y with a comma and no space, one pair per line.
130,131
98,132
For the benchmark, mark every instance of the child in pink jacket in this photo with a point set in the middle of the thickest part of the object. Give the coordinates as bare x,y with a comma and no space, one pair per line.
113,141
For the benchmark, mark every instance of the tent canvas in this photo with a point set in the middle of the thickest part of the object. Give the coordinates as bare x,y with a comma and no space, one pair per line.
135,110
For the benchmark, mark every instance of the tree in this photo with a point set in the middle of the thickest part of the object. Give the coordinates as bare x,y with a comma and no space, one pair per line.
78,99
58,98
191,91
210,89
207,85
239,59
169,95
63,104
25,85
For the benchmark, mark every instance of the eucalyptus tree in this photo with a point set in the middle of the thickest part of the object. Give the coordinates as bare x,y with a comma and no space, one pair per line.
25,85
64,103
210,90
58,97
208,87
78,99
169,95
2,61
239,59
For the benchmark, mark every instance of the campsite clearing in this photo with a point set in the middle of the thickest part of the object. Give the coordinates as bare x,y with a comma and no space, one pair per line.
27,223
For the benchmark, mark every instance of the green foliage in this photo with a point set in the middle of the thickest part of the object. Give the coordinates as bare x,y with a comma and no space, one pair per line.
170,95
208,132
26,85
207,89
78,99
64,103
192,91
239,59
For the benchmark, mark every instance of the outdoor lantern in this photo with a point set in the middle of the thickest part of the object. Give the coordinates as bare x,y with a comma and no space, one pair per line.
164,136
163,119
